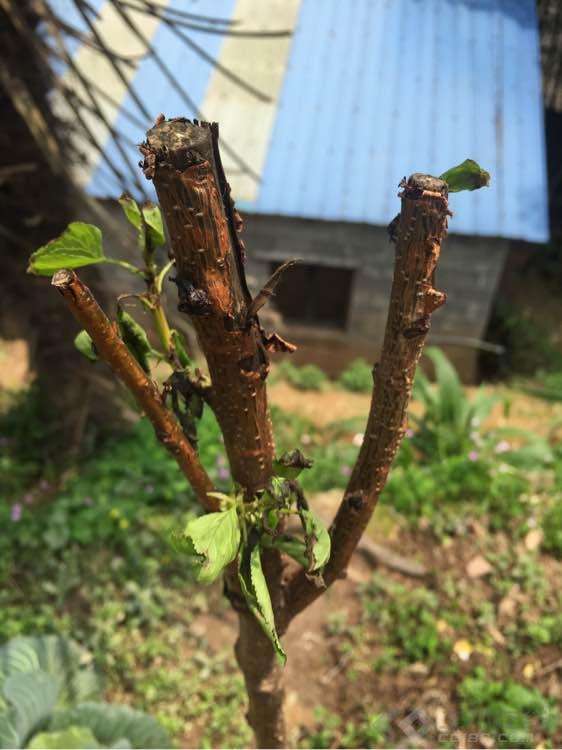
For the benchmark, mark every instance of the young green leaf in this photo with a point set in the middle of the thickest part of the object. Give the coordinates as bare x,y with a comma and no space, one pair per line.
317,540
466,176
213,541
83,342
152,220
79,245
254,587
290,464
134,336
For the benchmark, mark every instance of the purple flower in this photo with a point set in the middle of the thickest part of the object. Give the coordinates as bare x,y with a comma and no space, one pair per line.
28,499
409,433
345,470
473,456
15,513
223,473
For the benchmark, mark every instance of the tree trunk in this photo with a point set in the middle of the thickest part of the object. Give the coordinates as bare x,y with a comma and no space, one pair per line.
264,683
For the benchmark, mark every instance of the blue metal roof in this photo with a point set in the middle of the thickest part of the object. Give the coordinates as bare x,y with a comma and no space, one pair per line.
377,89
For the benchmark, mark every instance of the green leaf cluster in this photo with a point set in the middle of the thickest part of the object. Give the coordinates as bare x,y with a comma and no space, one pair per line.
244,529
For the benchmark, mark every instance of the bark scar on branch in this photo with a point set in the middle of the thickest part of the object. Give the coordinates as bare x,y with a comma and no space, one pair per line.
111,348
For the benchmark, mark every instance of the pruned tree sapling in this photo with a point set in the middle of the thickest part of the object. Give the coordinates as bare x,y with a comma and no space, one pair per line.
269,575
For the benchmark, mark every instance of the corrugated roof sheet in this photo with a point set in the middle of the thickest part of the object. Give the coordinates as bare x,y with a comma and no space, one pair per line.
376,89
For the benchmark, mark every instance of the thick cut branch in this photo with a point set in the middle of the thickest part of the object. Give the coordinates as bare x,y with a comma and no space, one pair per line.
113,351
183,161
422,227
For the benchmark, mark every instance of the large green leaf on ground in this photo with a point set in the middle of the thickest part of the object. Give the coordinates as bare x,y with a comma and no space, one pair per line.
31,697
113,724
72,738
79,245
212,541
63,659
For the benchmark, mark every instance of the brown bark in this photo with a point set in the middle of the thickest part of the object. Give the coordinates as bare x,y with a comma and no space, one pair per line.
263,677
422,228
113,351
182,159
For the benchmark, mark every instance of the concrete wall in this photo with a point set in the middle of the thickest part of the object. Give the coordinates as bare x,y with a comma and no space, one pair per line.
469,271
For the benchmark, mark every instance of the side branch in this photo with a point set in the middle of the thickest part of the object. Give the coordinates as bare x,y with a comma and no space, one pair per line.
114,352
421,230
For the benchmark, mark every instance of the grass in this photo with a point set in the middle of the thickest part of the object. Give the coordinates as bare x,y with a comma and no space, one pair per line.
88,555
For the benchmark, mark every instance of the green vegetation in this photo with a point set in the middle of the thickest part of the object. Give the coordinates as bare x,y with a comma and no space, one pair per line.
305,378
408,619
358,377
504,709
109,578
552,528
370,730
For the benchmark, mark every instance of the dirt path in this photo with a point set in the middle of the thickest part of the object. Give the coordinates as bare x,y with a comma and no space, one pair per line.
331,405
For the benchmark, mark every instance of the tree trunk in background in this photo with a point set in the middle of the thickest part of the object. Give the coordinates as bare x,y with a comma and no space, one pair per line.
36,203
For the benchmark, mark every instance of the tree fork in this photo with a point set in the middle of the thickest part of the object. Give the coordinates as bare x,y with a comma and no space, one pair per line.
419,232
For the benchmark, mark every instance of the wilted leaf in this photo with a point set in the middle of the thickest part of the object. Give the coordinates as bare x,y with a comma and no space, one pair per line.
290,464
463,649
478,567
533,539
79,245
466,176
317,540
83,342
212,540
254,587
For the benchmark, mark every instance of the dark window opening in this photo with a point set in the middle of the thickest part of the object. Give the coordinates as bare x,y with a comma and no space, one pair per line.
315,295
